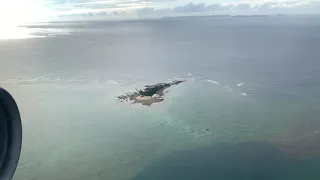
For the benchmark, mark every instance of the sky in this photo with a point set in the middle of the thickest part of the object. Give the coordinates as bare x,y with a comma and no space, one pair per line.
16,12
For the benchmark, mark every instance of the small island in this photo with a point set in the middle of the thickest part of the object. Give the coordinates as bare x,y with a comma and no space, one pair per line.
149,95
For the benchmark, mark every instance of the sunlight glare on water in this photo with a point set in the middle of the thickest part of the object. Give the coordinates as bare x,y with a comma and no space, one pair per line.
249,108
16,33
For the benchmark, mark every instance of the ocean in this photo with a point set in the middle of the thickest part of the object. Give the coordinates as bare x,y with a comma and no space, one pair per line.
249,108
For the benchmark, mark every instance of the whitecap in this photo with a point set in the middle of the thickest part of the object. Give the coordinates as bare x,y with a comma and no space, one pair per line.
113,82
212,81
240,84
243,94
32,80
82,77
228,88
189,74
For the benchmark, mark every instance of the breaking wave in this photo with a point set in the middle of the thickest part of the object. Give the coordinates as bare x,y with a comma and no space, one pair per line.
59,79
213,82
240,84
227,87
243,94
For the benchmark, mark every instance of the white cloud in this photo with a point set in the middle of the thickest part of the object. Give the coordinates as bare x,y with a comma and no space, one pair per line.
13,12
245,7
98,2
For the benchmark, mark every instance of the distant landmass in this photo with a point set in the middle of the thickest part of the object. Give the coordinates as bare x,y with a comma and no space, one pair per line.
217,16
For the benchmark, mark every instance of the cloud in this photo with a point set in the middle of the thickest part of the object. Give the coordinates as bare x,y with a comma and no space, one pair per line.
15,12
201,7
145,8
42,10
245,6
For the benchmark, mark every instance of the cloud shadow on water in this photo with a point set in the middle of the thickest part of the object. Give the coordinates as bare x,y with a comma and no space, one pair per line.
242,161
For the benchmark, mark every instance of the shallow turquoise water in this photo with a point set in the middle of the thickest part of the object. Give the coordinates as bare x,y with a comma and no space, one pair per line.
82,131
252,86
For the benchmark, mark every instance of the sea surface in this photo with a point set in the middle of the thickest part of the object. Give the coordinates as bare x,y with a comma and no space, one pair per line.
249,108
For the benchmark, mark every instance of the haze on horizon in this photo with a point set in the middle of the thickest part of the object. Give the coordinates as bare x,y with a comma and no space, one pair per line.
17,12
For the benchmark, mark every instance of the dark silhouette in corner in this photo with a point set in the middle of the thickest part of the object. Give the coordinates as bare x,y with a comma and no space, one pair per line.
242,161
